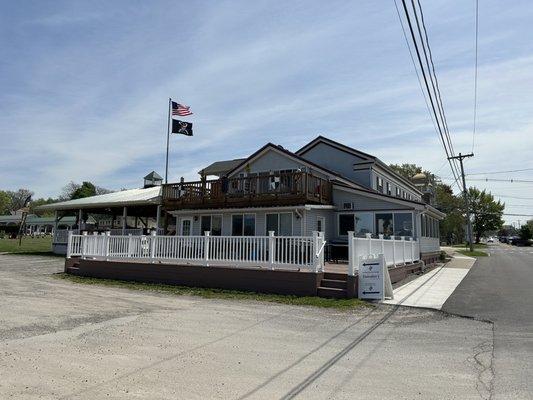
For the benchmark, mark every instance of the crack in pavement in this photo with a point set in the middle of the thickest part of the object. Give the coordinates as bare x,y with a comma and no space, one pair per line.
483,360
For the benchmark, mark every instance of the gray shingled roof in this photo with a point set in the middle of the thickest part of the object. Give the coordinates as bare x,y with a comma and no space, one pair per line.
219,168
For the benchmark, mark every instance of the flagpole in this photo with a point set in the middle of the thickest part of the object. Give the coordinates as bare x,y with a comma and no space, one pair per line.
168,137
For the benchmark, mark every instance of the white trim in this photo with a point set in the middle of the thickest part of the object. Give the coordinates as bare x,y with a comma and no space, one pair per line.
211,224
249,210
181,225
297,159
243,213
381,196
278,214
374,227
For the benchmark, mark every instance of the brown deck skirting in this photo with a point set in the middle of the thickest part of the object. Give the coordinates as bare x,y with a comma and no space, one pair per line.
246,279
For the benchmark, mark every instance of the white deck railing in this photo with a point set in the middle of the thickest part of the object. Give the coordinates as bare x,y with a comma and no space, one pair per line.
60,236
264,251
127,231
396,252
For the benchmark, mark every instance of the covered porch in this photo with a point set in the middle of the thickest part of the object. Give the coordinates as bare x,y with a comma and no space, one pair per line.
129,212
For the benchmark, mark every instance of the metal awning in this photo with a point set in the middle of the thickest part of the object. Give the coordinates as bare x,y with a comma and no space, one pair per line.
124,198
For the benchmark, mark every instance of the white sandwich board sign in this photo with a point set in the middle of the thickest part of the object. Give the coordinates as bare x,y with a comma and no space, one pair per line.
374,279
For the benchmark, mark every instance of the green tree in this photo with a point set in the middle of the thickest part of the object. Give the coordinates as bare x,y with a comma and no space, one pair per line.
452,226
487,212
76,191
410,170
18,198
525,232
40,202
5,202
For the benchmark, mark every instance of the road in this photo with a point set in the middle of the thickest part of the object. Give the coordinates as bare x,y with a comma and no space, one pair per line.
62,340
499,288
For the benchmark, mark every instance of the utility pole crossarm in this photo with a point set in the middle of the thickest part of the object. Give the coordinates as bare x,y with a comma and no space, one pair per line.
460,157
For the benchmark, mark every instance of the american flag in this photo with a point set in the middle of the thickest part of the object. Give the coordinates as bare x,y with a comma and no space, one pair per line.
180,109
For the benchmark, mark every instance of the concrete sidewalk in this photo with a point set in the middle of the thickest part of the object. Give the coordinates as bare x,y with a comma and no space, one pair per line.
431,290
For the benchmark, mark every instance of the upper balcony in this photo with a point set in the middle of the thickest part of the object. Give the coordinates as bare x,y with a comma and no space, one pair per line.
264,189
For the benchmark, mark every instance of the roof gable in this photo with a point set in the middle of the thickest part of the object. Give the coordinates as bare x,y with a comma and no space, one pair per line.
336,145
272,147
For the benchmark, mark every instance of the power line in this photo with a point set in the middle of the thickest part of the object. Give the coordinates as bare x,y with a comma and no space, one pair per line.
453,165
512,197
433,76
501,172
416,70
509,180
475,77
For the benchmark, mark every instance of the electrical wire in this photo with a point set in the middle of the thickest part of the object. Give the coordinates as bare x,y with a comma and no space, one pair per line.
475,77
431,94
501,172
433,77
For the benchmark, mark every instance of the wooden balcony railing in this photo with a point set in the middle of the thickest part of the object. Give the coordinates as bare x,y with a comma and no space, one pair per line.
289,188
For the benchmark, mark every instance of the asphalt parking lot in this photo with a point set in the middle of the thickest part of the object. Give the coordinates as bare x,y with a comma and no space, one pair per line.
61,340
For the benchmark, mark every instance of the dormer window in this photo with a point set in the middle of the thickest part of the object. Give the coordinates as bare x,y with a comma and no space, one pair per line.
389,189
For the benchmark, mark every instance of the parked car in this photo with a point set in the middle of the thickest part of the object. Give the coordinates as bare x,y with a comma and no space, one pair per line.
490,240
513,240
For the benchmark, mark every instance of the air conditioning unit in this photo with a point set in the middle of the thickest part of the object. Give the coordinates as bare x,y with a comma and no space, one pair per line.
347,206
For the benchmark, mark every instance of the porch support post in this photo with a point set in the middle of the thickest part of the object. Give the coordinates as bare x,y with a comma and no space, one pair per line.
271,248
124,218
158,219
80,216
54,229
352,259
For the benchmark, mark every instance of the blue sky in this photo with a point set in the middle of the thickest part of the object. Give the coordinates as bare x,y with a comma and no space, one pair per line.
85,86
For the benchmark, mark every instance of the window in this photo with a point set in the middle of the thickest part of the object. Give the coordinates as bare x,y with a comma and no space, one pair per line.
346,224
389,189
364,223
280,223
423,225
379,184
403,224
243,225
212,223
397,191
384,224
320,224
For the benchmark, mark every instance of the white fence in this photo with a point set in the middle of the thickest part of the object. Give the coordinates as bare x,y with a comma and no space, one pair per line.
132,231
265,251
396,252
61,236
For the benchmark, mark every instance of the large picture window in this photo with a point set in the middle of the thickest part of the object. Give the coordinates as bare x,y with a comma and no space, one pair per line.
364,223
212,223
243,225
384,224
280,223
403,224
346,224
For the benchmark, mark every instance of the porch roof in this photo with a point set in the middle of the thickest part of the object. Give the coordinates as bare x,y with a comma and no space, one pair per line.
132,197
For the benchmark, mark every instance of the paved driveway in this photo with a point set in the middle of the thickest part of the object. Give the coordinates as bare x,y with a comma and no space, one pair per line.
60,340
499,288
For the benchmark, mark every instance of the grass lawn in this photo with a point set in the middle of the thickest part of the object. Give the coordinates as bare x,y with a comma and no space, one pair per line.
476,246
475,253
343,304
29,245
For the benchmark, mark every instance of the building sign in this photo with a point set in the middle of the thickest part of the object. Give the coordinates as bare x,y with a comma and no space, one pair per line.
371,279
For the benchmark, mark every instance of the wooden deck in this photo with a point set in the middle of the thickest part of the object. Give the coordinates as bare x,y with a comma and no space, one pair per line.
294,188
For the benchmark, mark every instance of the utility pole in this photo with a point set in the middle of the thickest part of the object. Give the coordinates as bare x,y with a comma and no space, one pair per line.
465,195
